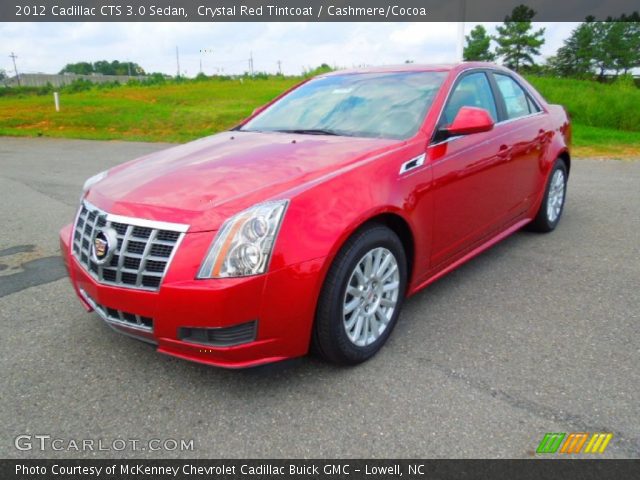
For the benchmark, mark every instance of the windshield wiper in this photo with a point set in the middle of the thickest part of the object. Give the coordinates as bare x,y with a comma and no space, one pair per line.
310,131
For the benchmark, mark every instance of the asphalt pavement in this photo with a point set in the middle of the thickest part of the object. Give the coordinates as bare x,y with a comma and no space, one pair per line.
539,334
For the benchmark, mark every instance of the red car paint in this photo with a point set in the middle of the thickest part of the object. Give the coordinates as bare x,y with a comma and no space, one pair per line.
468,194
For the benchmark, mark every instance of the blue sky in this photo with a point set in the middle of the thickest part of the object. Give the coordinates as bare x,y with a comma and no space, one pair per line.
47,47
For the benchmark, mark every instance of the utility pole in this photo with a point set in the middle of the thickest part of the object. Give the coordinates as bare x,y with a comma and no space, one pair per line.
460,45
177,61
251,63
279,67
200,64
13,57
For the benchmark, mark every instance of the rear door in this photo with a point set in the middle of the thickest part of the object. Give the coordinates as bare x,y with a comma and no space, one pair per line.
523,129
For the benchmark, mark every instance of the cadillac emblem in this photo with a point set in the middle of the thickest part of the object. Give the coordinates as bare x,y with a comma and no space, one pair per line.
104,245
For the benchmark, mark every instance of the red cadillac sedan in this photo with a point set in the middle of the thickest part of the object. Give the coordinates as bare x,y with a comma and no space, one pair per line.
308,224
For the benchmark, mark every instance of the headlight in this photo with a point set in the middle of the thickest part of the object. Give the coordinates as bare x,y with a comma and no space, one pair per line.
91,181
244,244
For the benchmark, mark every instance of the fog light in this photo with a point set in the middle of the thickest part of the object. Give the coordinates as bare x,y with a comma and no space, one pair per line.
220,337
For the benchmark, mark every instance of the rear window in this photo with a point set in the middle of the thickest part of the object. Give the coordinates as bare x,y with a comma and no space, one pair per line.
516,100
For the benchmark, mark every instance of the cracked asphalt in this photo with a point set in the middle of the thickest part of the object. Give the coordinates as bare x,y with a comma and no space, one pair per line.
539,334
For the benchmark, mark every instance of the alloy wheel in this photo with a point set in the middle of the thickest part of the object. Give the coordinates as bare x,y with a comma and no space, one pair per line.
556,195
371,296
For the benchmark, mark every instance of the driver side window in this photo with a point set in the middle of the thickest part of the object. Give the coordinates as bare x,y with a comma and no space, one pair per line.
473,90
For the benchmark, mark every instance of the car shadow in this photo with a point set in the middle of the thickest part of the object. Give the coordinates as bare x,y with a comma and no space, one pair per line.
312,373
313,368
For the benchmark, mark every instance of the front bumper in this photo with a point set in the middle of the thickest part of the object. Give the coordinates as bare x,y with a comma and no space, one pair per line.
282,302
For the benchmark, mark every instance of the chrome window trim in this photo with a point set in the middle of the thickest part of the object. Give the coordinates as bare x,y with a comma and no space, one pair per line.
446,100
511,120
446,140
468,147
502,122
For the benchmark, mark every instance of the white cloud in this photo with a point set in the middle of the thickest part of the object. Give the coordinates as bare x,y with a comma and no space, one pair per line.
419,34
47,47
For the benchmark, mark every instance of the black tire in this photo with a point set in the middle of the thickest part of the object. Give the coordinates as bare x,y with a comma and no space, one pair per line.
330,339
542,222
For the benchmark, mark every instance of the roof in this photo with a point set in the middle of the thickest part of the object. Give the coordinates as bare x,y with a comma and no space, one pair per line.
413,67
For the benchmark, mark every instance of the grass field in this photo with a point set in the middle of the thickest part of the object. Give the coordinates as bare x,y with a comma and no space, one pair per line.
168,113
615,106
606,118
597,142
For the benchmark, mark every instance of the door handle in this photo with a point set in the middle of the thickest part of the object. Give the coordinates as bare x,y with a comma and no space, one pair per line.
542,136
504,151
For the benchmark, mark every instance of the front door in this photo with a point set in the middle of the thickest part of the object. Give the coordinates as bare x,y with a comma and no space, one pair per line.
472,192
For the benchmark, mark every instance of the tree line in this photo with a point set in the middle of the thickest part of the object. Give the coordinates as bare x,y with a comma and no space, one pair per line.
593,49
104,67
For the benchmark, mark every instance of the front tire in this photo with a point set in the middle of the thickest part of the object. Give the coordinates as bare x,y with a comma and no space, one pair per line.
552,205
361,297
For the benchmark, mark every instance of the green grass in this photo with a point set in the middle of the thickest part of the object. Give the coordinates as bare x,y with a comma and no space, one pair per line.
174,112
606,118
595,142
612,106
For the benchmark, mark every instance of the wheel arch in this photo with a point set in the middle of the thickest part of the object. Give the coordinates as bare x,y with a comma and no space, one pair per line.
398,225
390,218
564,155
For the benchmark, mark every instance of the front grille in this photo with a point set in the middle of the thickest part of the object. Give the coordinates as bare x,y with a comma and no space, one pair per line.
220,337
120,317
143,252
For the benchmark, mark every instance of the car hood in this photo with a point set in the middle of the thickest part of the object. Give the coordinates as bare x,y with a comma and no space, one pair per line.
204,182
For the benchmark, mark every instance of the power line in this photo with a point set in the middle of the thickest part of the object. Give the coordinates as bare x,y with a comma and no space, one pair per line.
13,57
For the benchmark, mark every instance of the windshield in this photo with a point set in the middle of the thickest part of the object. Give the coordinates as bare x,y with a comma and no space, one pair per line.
381,105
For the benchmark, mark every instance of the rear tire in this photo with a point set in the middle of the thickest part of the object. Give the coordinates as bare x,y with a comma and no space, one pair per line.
555,194
361,297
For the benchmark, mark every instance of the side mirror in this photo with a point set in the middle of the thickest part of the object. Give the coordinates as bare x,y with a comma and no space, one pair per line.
470,120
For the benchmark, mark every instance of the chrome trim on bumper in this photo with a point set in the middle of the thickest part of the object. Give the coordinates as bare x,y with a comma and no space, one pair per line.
115,321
